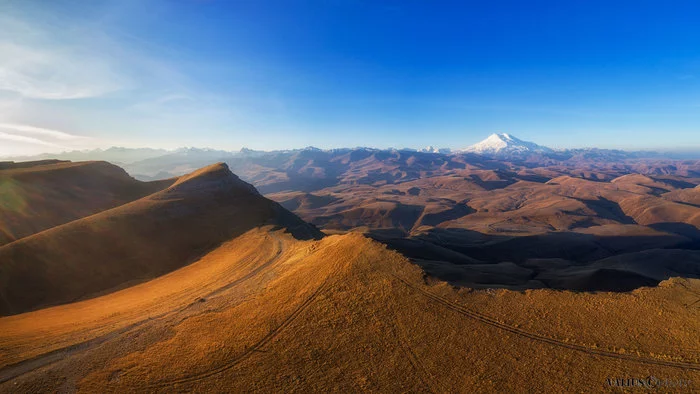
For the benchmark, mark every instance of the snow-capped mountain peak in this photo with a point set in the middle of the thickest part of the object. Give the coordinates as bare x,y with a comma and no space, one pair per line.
503,143
432,149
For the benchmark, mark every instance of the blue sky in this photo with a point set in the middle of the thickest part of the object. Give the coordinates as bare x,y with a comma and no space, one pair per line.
338,73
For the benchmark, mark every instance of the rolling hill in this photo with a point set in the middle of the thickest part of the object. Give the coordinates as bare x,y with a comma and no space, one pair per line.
39,195
424,281
136,241
267,312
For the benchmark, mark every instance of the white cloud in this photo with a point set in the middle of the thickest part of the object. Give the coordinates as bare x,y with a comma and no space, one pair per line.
61,135
38,64
25,139
94,74
17,139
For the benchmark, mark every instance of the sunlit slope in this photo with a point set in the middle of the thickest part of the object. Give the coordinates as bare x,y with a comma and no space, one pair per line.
135,242
265,312
35,196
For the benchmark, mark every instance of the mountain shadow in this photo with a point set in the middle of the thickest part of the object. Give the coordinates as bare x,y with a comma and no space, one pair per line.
564,261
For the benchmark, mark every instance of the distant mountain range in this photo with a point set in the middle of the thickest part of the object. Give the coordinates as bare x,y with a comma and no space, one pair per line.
148,163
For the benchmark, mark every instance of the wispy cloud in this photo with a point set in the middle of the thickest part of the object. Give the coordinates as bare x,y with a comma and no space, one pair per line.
93,73
16,138
27,140
36,64
40,131
48,59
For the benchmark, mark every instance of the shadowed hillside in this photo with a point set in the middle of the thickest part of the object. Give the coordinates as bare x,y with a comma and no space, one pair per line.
35,196
137,241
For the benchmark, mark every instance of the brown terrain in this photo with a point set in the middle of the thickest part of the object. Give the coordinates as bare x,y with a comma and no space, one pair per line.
40,195
105,251
432,273
587,225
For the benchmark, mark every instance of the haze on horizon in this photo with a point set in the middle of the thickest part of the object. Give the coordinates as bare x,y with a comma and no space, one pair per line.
275,75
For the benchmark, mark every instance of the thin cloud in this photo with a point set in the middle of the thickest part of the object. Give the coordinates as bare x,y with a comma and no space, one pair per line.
25,139
127,86
37,63
54,75
61,135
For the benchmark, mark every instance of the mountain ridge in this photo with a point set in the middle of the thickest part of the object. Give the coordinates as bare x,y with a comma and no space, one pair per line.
42,194
209,286
493,144
137,241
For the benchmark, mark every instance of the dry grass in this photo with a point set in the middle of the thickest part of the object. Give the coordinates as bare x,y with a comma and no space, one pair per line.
37,197
345,314
134,242
196,289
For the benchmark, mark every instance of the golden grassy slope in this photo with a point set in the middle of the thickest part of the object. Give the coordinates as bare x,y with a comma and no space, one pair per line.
265,312
37,196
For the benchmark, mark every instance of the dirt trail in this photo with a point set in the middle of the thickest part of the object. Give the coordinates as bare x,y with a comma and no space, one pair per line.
26,366
537,337
250,350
